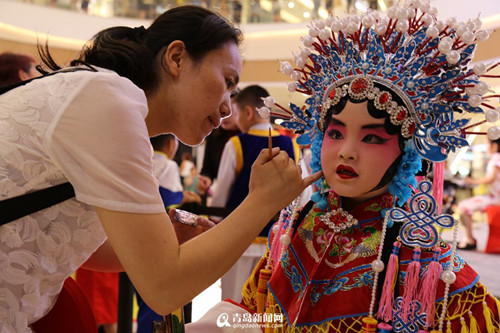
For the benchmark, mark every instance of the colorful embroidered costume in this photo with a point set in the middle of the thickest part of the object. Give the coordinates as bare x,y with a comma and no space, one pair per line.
324,280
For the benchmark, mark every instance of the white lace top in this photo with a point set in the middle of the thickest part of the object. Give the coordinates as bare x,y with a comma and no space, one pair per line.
84,127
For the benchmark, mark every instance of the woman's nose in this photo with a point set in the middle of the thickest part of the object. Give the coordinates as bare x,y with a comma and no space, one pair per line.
225,111
225,108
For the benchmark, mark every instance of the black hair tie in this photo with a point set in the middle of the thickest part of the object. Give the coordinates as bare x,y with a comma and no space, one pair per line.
139,32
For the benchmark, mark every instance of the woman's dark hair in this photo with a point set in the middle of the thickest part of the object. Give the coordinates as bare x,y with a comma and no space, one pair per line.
377,114
11,64
132,52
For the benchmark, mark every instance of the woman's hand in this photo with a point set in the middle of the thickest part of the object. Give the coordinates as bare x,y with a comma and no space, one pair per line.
185,232
278,181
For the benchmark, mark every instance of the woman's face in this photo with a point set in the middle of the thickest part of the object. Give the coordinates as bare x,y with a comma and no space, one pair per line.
197,97
356,152
230,123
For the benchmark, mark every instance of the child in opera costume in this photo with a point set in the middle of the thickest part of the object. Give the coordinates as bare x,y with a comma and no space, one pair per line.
364,254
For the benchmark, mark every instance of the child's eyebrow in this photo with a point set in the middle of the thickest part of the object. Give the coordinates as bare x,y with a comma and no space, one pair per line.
367,126
373,126
336,122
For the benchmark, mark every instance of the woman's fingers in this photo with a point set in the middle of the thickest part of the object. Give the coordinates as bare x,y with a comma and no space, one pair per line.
309,180
264,155
279,180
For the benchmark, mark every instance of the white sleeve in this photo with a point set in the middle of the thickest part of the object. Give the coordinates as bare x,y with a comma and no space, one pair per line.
225,175
101,143
169,177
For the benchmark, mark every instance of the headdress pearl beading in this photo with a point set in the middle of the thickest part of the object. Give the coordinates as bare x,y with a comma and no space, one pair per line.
448,277
378,265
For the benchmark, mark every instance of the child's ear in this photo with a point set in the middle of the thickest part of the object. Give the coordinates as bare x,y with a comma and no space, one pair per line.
249,112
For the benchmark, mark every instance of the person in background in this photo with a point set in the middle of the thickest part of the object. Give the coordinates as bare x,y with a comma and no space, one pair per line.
215,142
214,145
91,135
479,203
16,67
167,172
240,152
186,165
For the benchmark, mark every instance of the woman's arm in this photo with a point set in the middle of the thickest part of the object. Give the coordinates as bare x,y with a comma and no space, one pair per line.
169,275
104,260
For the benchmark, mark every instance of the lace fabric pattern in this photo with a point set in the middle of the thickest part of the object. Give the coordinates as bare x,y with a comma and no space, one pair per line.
37,252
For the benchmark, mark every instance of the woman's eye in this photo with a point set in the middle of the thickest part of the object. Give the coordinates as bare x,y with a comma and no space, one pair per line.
229,83
334,134
374,139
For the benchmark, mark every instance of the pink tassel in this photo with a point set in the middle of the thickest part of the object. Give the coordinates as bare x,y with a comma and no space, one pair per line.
410,285
391,276
437,186
428,287
275,252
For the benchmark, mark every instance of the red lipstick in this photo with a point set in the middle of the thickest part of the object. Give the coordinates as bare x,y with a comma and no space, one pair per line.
346,172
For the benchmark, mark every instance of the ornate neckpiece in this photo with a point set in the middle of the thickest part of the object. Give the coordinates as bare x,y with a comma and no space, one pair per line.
338,220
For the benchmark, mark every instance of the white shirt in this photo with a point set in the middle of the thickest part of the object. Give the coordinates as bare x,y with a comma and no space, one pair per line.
167,173
84,127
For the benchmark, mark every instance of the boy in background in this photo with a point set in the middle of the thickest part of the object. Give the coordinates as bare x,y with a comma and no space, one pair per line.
233,176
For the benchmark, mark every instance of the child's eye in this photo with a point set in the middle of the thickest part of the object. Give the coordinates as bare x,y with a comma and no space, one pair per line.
374,139
334,134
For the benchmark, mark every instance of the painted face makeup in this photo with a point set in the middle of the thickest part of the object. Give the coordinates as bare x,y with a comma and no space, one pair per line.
356,152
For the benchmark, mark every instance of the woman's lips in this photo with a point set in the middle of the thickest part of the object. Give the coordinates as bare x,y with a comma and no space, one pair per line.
215,121
346,172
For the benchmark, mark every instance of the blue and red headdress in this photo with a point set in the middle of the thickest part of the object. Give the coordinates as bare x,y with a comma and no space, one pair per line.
411,54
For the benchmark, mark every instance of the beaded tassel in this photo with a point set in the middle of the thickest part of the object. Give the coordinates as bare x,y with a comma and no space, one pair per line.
463,328
487,315
448,327
473,327
428,287
387,298
410,285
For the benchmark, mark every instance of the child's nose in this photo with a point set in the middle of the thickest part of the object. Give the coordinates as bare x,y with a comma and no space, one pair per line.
348,152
